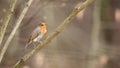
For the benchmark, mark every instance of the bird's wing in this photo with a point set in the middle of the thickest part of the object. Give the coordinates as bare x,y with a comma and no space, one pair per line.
34,34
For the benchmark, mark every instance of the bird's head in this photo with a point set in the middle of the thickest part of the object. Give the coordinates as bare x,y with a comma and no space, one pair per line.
43,27
42,24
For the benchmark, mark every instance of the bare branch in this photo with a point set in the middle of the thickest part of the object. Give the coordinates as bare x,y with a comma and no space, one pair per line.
95,47
27,4
6,20
53,34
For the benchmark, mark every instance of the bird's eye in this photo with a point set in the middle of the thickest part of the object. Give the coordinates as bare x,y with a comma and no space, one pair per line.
42,25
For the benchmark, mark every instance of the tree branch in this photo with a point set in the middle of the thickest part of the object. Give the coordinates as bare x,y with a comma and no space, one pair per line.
53,34
6,20
95,48
27,4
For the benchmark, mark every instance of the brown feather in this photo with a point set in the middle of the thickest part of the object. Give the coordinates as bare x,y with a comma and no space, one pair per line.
31,38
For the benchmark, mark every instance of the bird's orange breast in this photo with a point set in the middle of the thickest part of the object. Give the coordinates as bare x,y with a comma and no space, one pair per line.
43,30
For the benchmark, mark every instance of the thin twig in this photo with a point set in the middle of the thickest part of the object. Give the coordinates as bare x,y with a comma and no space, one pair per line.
6,20
27,4
53,34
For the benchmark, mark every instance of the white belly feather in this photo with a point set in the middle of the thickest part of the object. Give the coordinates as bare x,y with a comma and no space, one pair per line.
37,39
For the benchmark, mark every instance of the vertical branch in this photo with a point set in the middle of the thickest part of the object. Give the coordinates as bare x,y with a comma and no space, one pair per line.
6,20
53,34
107,15
94,50
27,4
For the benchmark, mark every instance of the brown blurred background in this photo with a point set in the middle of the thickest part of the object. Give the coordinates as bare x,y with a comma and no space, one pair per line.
71,47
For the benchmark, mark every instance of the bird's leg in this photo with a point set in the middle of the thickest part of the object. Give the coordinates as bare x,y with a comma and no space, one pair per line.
40,42
34,45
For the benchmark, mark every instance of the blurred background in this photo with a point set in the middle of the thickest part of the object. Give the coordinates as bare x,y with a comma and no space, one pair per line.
91,40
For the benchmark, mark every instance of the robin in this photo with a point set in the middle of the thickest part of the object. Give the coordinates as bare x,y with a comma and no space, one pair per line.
37,34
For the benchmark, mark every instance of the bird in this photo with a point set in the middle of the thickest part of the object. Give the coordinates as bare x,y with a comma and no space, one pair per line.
38,33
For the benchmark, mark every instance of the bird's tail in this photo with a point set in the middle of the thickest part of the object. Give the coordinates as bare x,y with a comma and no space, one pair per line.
27,44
